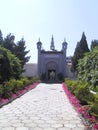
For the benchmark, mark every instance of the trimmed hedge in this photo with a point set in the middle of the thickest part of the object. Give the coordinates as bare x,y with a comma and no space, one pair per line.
13,85
82,91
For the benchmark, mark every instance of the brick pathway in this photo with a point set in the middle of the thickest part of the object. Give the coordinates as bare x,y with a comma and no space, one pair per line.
44,108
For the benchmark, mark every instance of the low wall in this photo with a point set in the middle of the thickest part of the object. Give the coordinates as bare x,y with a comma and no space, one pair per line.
68,71
31,70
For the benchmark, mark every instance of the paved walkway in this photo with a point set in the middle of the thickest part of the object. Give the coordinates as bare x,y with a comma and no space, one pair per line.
44,108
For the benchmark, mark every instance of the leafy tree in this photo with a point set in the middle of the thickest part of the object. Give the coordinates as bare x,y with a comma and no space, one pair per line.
88,67
94,43
80,50
20,52
9,65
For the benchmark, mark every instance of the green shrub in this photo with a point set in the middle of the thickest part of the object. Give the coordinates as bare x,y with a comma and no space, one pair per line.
7,90
19,85
1,90
25,81
95,89
68,82
83,93
71,84
94,107
12,84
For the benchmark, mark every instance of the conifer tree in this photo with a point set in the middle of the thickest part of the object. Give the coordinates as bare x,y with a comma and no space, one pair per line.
18,49
9,42
94,43
80,50
20,52
1,38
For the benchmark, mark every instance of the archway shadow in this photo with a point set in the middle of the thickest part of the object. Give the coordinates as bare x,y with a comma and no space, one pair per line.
51,81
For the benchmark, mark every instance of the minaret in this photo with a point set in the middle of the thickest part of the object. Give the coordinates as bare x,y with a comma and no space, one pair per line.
64,49
39,47
52,47
64,45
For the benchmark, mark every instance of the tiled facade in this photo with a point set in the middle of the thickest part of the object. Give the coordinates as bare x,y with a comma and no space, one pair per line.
52,62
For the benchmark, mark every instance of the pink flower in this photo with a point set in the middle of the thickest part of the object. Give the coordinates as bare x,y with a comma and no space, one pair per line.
92,119
95,127
4,100
14,96
81,109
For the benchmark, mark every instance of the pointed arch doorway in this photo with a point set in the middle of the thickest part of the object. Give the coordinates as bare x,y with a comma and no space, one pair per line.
51,71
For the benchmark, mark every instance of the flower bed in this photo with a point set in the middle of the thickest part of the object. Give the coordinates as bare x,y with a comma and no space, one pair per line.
89,121
17,94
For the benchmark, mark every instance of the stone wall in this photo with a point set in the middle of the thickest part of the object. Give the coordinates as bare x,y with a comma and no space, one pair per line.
68,71
31,70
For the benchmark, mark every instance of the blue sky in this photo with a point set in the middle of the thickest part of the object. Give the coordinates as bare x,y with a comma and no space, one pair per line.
32,19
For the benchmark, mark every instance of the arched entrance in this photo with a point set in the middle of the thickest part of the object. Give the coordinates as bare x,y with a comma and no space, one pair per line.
51,74
51,71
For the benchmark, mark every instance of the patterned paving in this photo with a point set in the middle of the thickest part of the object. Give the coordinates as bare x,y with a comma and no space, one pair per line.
44,108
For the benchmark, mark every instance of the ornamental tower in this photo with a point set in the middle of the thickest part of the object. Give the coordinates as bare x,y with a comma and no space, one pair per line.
52,47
